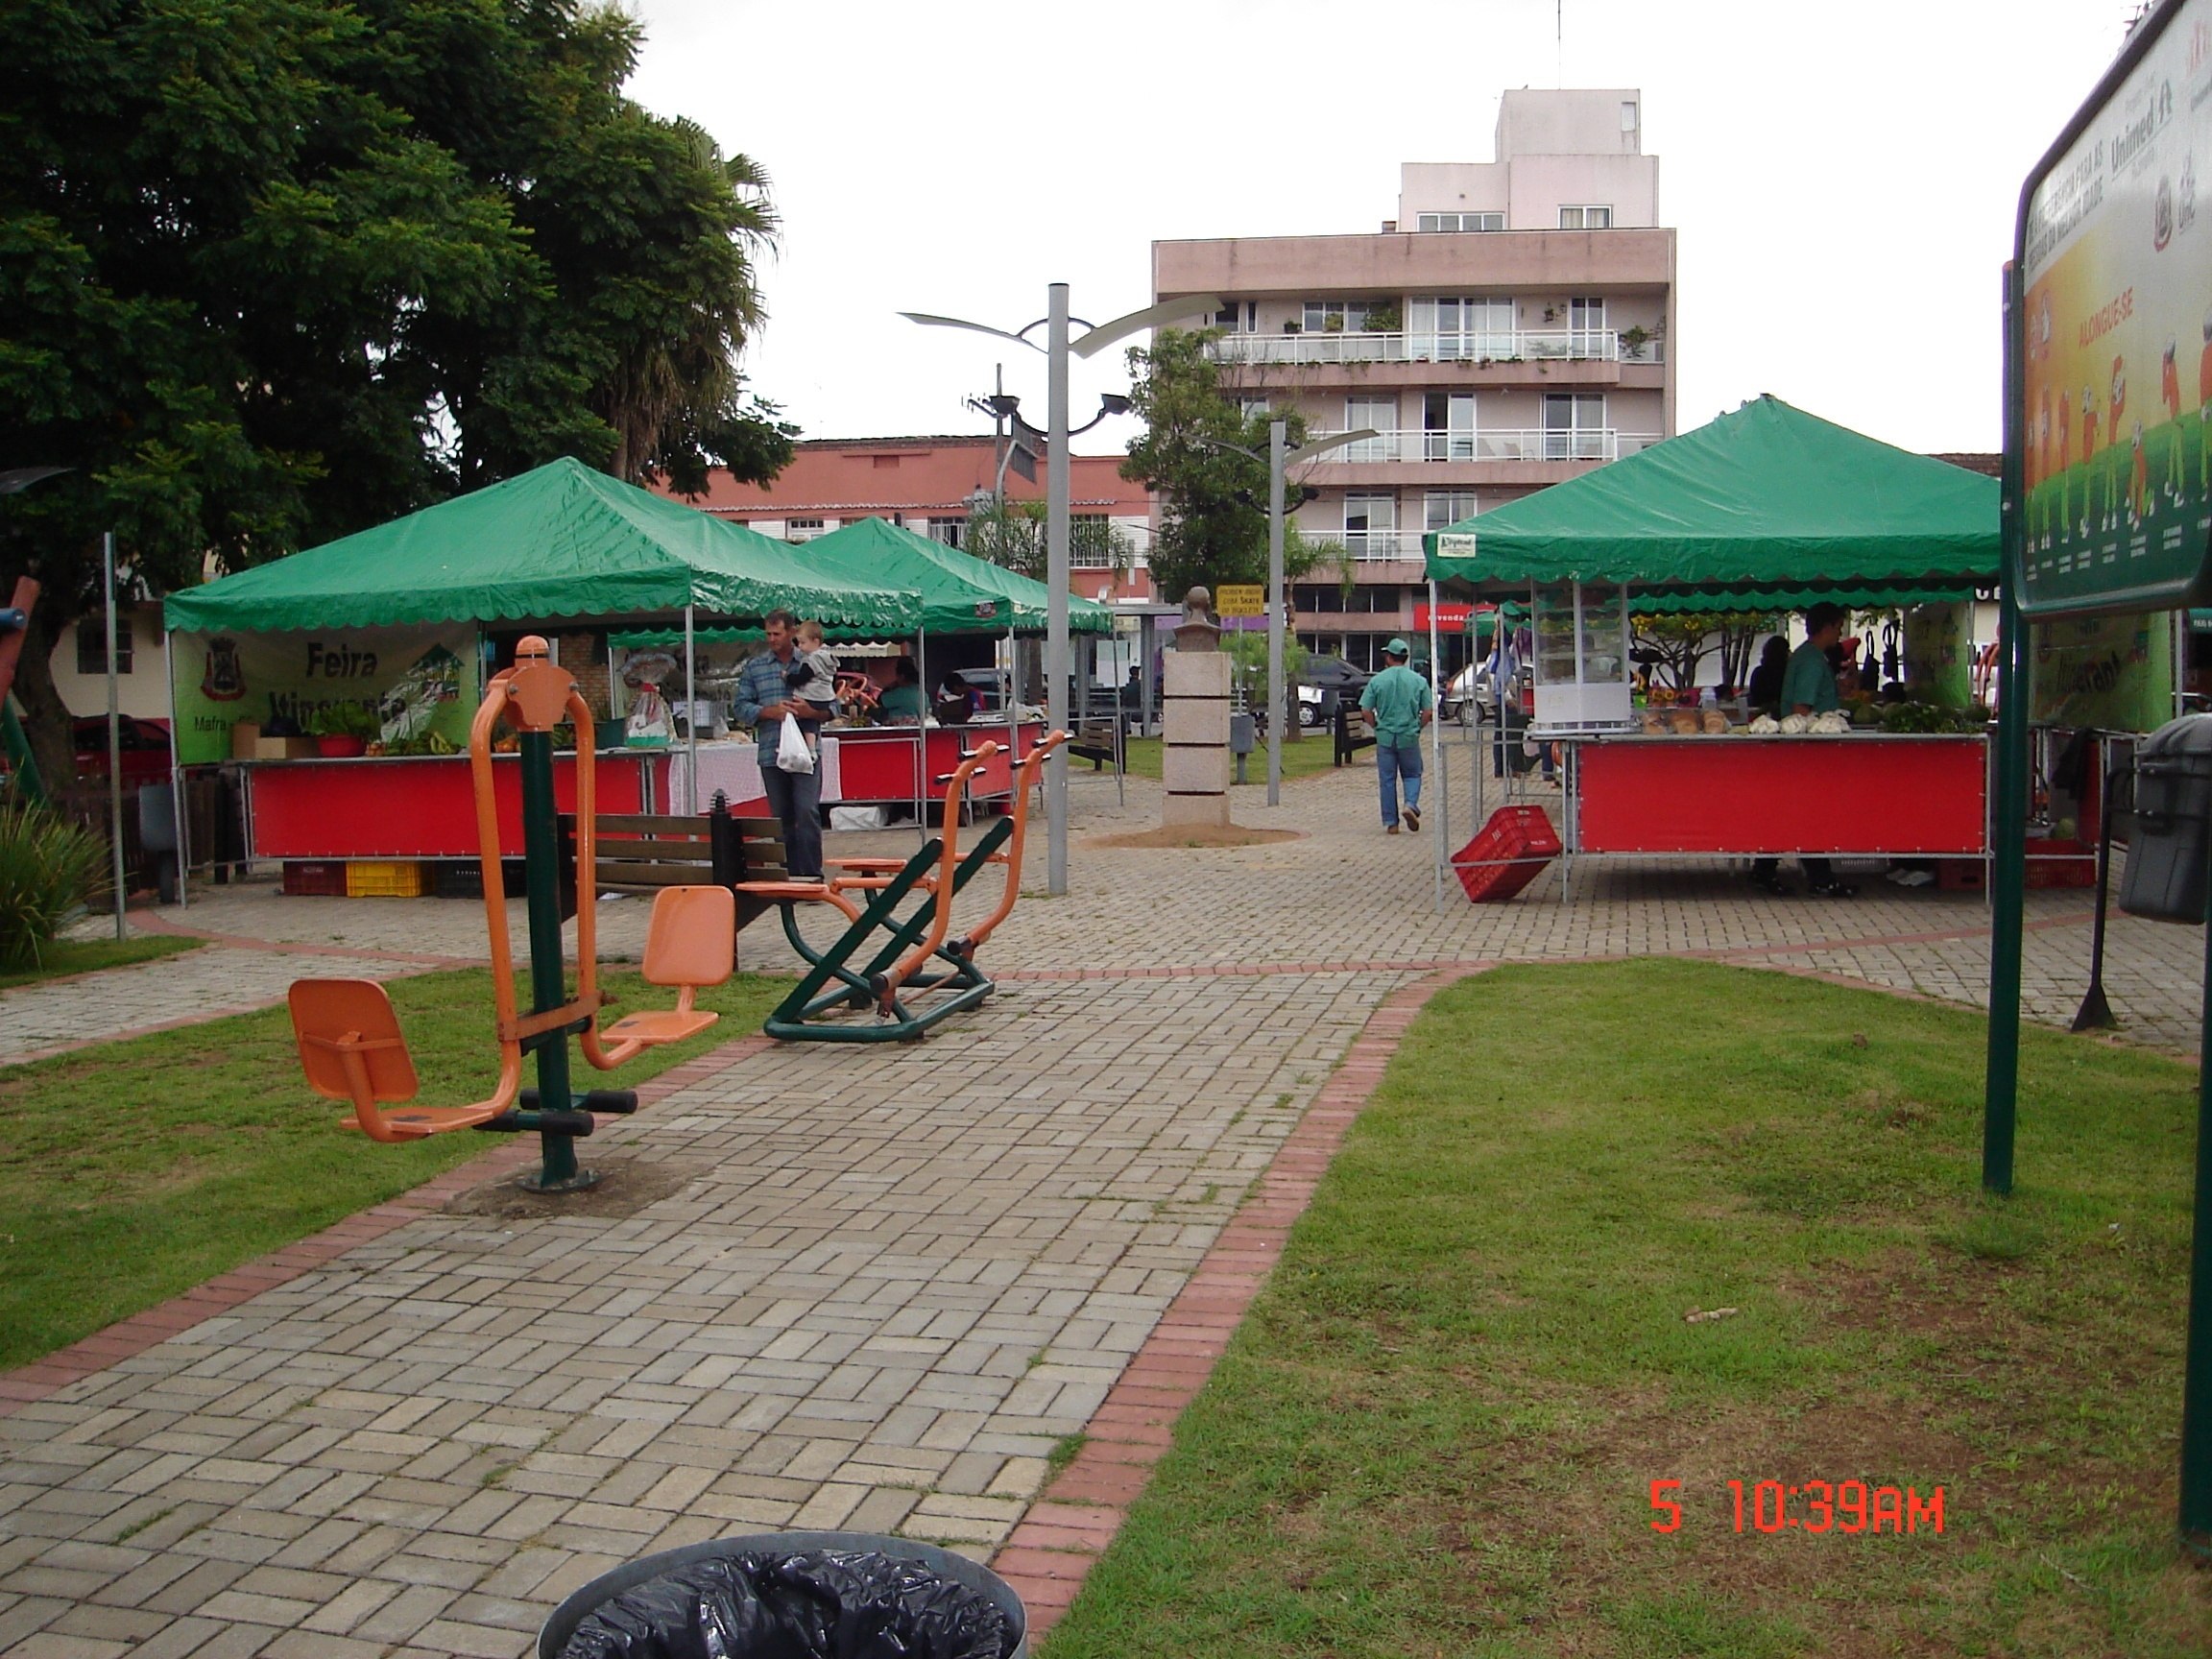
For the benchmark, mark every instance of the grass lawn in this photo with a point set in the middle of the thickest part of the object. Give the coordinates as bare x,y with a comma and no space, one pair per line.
1301,758
1436,1433
135,1170
90,955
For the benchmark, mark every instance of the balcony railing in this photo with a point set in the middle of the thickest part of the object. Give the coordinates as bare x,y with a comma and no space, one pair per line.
1588,444
1504,345
1371,545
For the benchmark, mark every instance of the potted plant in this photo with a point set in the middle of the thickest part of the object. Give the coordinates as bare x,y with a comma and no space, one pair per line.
342,730
1384,319
1633,340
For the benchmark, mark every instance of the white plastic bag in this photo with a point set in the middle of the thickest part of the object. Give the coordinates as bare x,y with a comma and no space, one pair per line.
791,752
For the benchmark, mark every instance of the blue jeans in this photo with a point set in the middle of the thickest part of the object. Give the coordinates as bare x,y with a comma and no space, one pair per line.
1393,762
796,798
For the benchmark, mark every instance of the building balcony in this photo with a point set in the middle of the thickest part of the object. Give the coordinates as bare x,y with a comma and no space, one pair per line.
1504,347
1382,546
1588,444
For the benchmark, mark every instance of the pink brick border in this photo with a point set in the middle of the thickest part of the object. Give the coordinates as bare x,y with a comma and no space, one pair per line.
1048,1554
131,1337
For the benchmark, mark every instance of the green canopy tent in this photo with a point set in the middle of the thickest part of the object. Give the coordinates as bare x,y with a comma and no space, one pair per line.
560,540
1765,507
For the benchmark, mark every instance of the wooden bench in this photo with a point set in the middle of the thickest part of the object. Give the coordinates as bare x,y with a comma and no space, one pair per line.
643,853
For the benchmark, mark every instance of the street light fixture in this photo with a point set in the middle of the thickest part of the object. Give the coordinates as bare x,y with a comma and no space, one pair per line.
1279,460
1059,669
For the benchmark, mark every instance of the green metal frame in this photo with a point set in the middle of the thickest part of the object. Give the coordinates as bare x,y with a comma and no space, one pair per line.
832,985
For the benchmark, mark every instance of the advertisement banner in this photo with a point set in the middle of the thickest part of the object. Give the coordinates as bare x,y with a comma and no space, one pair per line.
1937,654
2116,274
416,682
2114,673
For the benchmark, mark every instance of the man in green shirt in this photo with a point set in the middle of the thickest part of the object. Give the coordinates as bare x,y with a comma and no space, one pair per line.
1398,703
1808,688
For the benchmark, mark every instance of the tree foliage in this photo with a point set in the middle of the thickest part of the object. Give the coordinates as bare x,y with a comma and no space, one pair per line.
1675,645
1213,500
274,271
1011,535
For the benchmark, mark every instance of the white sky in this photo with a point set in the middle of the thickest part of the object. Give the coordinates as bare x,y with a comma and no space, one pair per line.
1842,179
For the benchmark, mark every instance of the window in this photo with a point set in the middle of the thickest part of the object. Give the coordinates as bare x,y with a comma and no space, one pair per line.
1445,508
1585,325
1462,221
1232,319
1251,408
1629,116
1335,316
948,531
92,645
802,529
1448,426
1380,412
1452,330
1585,218
1371,525
1322,596
1090,541
1574,428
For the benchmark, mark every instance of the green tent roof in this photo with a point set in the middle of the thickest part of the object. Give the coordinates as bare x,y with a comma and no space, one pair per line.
1768,499
560,541
961,594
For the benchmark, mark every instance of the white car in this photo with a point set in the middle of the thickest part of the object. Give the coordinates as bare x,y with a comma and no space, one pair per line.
1469,696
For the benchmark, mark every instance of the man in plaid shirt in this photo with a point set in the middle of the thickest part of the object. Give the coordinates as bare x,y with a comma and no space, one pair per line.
764,698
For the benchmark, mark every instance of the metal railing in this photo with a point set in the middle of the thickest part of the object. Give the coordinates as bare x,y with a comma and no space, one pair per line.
1586,443
1497,346
1369,545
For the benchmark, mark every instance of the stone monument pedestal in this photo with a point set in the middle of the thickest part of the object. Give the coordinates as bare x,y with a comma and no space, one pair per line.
1194,762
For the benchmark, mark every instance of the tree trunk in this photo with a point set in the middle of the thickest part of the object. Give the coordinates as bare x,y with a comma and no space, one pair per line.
1292,731
46,718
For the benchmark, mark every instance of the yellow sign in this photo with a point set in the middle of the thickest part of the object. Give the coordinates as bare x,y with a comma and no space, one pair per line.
1241,599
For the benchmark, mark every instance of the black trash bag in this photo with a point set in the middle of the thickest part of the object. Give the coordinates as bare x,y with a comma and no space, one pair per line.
821,1604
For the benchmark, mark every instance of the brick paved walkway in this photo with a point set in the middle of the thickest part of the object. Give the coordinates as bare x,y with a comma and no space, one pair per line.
883,1286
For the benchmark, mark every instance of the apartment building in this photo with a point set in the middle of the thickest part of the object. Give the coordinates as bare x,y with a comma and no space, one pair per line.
1511,329
930,485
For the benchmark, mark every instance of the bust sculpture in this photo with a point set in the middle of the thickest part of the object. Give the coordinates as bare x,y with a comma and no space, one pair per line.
1198,631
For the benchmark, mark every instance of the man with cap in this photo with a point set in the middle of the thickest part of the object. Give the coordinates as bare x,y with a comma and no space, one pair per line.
1808,688
1398,703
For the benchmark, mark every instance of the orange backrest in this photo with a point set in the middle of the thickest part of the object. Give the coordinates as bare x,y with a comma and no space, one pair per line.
692,937
331,1018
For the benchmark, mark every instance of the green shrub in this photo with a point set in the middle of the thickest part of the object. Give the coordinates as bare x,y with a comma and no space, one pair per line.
48,868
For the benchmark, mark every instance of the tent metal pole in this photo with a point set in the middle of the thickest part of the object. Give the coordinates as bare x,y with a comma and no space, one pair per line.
114,739
176,770
691,708
922,735
1442,796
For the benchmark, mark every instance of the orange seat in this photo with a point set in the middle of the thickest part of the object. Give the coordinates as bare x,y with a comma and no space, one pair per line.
691,942
351,1047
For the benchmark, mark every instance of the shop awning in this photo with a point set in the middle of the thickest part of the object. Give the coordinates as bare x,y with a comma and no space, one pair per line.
1765,501
559,540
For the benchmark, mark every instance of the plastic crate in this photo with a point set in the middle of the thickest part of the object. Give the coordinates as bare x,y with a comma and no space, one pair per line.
314,878
464,878
381,879
2053,862
1962,875
1520,834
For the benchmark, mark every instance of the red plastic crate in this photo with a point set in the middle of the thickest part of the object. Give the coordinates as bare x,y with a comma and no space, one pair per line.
2053,862
1962,876
1522,833
314,878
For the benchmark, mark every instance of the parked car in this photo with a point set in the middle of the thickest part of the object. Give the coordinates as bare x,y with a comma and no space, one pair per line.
145,749
1326,682
1468,696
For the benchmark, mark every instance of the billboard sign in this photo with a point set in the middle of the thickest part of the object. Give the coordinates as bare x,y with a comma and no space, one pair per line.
2112,342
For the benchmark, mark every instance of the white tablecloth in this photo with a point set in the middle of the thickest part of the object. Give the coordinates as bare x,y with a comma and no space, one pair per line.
734,767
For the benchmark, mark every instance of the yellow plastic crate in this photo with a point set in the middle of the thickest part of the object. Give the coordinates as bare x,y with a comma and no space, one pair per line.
384,878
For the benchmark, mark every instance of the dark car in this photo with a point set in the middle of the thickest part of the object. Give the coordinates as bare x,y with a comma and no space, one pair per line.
1326,682
145,749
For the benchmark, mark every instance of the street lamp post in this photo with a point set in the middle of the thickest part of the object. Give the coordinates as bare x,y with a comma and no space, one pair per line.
1058,667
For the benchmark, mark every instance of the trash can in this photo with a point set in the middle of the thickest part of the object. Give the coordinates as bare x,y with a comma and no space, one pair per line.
158,842
2170,847
792,1596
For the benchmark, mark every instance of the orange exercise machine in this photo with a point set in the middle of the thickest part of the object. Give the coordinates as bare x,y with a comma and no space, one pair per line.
350,1039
